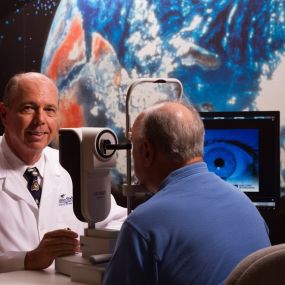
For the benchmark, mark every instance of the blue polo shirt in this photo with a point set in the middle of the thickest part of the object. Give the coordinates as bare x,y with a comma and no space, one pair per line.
193,231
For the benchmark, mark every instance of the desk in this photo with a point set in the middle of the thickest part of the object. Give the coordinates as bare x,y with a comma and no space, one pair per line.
41,277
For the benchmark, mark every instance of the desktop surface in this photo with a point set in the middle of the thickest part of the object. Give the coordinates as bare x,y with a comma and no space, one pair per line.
36,277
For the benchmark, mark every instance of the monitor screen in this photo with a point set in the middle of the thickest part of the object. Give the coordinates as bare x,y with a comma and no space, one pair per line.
243,148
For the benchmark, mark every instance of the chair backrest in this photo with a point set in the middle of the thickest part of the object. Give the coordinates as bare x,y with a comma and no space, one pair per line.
263,267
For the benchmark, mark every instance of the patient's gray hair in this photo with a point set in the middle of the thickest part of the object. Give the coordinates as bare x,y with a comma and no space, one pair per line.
178,139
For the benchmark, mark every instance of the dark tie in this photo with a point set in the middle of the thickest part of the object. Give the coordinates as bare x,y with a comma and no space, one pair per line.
31,174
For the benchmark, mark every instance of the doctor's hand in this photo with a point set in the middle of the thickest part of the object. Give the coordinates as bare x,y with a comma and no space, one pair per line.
55,243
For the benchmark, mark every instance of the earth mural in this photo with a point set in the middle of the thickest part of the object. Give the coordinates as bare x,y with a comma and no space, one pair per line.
225,53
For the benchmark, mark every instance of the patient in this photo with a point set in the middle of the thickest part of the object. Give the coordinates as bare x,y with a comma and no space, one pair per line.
196,227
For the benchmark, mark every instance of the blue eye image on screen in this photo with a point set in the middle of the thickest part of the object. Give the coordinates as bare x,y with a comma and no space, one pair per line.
233,155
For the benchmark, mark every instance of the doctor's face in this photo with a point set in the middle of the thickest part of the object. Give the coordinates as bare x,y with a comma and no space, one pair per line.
30,116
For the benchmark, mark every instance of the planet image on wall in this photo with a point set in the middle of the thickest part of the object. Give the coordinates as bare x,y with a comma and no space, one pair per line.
221,51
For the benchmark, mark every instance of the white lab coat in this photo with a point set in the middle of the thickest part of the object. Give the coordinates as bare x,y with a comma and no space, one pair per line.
23,224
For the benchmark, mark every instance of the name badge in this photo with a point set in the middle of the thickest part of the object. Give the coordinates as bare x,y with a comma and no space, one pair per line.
65,200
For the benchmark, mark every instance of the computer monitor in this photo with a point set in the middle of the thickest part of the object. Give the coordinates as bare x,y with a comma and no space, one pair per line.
243,148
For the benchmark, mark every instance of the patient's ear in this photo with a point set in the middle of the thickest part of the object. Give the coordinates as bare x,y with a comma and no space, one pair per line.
2,113
147,153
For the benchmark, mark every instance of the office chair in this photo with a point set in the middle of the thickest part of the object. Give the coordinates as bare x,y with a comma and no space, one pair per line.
262,267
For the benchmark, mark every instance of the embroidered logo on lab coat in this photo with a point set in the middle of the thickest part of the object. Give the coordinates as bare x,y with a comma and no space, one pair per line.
65,200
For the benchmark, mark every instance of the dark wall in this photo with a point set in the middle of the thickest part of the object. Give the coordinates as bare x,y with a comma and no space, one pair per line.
275,220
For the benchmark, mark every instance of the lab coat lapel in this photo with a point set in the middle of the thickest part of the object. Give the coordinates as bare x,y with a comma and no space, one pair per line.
51,179
12,185
48,206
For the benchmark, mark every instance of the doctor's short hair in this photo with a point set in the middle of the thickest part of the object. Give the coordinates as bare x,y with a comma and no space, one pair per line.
12,85
179,140
10,90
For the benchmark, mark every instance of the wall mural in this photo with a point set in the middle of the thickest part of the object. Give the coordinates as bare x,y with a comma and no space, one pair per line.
229,55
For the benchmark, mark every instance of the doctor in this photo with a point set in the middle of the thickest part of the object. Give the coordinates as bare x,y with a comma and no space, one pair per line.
34,231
